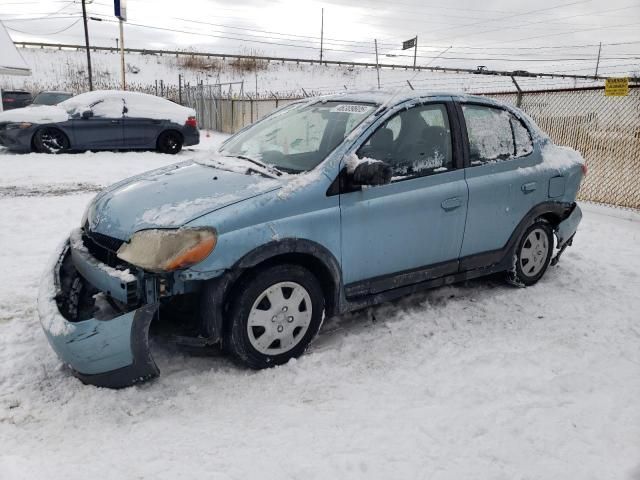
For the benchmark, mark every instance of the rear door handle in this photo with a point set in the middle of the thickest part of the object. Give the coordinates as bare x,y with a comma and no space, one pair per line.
451,203
115,121
529,187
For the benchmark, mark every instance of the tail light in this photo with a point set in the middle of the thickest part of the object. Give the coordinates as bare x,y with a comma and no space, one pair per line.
191,122
584,169
9,100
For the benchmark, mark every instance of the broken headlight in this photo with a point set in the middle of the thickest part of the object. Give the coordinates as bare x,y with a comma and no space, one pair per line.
168,250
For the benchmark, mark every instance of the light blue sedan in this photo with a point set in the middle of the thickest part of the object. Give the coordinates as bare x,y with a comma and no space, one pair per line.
326,206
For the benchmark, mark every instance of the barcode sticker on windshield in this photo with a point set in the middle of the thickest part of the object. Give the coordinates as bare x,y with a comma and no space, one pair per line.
351,108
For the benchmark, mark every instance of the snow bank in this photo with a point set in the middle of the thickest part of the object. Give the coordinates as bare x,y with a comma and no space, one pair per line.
475,380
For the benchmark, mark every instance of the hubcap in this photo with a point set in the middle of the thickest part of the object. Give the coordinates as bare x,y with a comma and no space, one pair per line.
279,318
534,252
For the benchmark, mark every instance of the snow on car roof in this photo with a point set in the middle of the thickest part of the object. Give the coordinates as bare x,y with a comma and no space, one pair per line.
384,96
138,104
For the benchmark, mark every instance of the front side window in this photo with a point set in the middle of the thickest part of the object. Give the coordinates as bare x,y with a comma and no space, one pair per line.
414,142
494,135
298,138
110,107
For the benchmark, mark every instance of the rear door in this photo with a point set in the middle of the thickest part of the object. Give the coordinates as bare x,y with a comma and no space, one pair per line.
104,128
411,229
501,175
144,119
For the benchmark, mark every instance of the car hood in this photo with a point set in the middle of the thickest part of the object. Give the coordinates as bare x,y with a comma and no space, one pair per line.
170,197
42,114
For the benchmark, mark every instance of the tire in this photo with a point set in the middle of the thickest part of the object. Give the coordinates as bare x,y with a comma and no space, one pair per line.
532,255
50,140
169,142
274,316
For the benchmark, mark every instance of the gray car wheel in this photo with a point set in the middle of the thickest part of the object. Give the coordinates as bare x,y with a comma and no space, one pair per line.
170,142
50,140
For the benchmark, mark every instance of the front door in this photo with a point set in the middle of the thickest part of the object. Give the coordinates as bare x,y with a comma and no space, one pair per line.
104,128
411,229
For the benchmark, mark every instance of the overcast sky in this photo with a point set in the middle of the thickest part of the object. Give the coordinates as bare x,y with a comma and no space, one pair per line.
542,36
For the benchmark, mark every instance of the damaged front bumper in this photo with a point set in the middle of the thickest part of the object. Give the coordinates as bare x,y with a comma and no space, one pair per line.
566,230
107,343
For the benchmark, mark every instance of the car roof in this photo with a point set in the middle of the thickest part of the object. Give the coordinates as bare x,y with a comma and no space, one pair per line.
395,97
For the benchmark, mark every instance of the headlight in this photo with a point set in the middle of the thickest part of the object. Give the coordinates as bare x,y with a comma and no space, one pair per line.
19,125
168,250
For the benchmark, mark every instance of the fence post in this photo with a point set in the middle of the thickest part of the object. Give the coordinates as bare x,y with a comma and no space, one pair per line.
519,97
180,88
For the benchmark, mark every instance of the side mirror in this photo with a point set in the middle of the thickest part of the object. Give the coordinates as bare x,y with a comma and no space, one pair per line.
87,114
372,172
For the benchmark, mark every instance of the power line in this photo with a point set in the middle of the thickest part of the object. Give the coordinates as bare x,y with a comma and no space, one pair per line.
48,33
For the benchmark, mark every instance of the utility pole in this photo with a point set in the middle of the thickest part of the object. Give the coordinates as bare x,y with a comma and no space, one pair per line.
124,84
375,40
321,33
415,52
598,61
86,42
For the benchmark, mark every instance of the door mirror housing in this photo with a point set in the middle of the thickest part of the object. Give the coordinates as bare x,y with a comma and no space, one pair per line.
87,114
371,172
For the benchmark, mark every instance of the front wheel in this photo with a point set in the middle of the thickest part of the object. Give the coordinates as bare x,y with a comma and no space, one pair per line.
169,142
50,140
274,316
533,255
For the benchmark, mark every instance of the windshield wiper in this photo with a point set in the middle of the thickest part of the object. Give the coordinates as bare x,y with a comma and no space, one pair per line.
266,166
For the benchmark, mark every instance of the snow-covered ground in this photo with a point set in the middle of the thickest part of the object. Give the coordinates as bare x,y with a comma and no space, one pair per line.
54,69
472,381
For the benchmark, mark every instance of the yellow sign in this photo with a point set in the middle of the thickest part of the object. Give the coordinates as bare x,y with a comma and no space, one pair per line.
616,87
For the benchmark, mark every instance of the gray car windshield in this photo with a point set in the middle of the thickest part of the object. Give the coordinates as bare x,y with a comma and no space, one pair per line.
298,137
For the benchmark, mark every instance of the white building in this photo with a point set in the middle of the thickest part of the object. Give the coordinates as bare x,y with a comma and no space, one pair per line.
11,62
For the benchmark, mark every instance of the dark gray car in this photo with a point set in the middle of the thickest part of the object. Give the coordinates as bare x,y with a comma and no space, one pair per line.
101,120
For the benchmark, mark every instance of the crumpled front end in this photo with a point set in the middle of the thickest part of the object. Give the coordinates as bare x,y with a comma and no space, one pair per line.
94,319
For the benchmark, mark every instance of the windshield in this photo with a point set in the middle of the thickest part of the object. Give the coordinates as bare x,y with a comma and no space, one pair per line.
298,137
50,98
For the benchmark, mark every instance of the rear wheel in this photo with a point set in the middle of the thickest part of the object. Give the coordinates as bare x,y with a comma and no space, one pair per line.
533,255
274,316
50,140
170,142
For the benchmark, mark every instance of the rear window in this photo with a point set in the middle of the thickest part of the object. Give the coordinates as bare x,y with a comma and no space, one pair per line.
50,98
494,135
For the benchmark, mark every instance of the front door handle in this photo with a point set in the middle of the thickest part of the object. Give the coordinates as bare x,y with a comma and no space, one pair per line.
451,203
115,121
529,187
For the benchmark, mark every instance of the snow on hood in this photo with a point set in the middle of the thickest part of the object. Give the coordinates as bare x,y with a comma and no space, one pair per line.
171,197
42,114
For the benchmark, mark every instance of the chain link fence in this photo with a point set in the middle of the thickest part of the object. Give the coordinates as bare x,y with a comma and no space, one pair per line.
606,130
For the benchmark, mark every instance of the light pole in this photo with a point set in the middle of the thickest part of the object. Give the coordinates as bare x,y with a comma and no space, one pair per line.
86,42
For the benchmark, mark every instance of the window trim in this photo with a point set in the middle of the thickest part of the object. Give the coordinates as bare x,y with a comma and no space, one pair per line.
454,130
465,134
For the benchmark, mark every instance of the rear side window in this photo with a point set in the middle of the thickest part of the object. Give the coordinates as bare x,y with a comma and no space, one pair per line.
494,135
